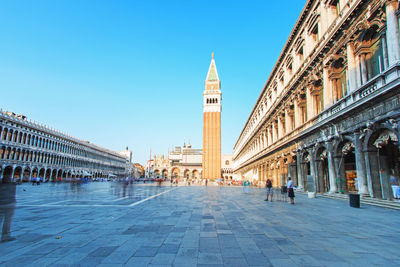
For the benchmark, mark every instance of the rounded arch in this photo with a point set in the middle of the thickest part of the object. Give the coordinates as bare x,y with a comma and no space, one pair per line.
7,174
186,173
35,172
196,174
48,174
26,174
41,173
54,175
17,174
382,162
175,172
321,169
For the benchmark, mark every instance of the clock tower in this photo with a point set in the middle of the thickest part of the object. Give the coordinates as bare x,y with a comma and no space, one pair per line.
212,97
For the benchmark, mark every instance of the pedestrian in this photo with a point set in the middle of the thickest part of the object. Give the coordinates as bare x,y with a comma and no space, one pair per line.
268,186
38,180
290,190
7,207
206,182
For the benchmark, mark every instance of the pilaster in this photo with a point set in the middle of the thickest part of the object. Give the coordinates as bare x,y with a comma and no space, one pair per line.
331,168
360,165
392,32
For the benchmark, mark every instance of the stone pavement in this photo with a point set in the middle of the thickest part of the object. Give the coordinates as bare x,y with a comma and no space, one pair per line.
108,224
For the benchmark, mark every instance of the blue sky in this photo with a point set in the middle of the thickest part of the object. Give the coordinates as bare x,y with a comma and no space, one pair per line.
131,73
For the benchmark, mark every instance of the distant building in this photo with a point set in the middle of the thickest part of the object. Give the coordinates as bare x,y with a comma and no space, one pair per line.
127,154
185,162
29,150
227,167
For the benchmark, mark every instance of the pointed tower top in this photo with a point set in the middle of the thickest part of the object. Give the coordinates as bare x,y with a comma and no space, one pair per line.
212,75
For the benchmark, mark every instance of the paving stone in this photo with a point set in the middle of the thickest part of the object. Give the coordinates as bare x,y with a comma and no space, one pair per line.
209,258
163,258
146,252
194,226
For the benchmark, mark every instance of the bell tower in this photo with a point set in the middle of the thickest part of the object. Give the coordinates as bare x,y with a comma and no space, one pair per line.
212,97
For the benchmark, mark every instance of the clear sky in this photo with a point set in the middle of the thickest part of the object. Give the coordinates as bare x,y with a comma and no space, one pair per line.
131,73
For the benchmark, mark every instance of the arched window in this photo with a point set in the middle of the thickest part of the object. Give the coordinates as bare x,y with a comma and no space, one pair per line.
227,162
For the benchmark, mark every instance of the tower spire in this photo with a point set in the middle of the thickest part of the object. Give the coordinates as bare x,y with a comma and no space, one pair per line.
212,74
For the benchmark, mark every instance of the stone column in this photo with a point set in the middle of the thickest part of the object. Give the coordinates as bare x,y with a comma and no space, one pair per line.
392,31
309,103
358,71
312,169
384,53
287,121
299,171
364,71
360,165
296,113
326,89
331,168
351,67
280,128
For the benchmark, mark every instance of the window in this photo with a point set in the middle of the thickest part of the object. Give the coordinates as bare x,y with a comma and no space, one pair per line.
227,162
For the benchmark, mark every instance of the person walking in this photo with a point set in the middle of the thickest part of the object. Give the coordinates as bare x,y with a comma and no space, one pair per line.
268,186
7,207
290,190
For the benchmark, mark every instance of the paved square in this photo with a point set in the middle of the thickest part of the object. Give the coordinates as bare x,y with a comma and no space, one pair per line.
109,224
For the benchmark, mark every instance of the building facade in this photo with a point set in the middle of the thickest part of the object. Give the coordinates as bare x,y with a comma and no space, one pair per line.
328,115
29,150
181,162
212,97
185,162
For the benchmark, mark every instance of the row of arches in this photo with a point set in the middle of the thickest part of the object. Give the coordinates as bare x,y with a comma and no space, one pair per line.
10,173
366,162
25,155
176,173
26,138
212,100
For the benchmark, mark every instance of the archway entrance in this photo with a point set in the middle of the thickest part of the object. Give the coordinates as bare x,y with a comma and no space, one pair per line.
7,173
346,168
48,175
27,172
196,174
164,174
187,174
384,159
41,174
17,174
175,173
308,180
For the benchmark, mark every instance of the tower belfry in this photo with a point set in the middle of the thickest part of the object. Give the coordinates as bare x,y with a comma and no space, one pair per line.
212,97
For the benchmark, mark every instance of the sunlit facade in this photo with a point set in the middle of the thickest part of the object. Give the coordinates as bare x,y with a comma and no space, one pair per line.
30,150
328,115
